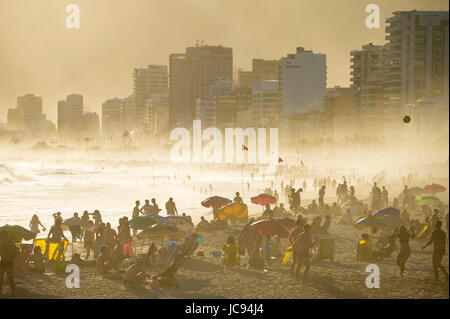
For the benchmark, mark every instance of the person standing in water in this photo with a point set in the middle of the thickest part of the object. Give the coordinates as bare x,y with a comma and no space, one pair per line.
438,239
405,251
35,223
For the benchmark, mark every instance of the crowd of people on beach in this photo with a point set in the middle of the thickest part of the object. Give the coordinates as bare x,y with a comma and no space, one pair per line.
312,224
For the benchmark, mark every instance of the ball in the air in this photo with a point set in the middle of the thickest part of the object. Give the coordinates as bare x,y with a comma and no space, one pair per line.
407,119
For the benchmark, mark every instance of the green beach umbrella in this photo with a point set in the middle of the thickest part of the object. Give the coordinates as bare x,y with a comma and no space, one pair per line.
428,200
18,233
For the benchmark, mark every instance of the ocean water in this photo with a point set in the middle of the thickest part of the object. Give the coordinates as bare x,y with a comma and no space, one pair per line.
43,188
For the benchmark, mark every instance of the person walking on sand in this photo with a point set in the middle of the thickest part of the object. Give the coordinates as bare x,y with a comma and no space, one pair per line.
302,248
8,251
35,223
405,251
438,239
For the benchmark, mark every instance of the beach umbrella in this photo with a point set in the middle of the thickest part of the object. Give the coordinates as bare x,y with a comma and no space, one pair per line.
144,221
270,227
160,231
181,222
416,190
70,222
370,222
287,222
434,188
394,221
388,211
18,233
263,199
234,212
215,202
428,200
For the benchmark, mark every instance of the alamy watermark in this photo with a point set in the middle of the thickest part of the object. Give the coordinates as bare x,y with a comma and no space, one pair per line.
238,143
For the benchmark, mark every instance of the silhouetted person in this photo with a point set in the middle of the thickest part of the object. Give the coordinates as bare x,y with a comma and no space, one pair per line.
438,239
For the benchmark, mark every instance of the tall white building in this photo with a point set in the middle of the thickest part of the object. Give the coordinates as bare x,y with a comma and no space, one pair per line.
303,81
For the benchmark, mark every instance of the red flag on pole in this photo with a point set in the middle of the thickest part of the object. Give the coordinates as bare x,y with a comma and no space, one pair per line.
280,160
244,148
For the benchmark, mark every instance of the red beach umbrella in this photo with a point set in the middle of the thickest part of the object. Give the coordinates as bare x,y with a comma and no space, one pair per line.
215,202
287,222
434,188
263,199
270,227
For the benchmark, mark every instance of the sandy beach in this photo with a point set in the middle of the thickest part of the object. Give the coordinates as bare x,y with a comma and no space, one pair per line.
205,277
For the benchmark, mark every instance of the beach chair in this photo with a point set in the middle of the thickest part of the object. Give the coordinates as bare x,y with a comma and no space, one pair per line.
326,249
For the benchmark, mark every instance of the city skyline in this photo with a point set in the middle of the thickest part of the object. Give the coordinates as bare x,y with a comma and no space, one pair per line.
110,66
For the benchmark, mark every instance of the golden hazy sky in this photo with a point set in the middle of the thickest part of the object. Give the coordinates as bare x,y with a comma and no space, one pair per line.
39,55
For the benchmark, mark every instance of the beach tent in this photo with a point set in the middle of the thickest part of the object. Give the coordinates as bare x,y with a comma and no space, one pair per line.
389,211
428,200
370,222
18,233
234,212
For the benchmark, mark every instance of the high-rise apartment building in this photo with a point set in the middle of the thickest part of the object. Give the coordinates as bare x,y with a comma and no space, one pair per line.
112,117
417,60
189,74
265,103
261,70
303,81
367,78
70,116
147,82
